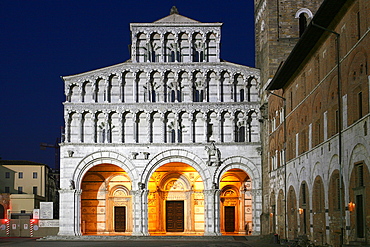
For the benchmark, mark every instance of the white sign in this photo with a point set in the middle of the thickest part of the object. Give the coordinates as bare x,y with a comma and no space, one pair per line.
46,210
25,226
48,223
36,213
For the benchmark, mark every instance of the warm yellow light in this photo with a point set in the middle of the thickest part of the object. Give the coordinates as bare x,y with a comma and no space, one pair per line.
351,206
300,210
271,214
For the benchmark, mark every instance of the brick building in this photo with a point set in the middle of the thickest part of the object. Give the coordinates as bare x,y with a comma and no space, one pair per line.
318,126
278,27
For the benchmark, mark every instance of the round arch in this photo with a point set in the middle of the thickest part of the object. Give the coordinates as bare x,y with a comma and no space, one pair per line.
176,155
242,163
104,157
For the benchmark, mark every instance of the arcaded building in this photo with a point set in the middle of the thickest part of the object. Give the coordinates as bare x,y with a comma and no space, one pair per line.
164,143
318,130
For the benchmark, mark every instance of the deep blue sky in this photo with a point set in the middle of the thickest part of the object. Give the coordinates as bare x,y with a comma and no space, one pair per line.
41,40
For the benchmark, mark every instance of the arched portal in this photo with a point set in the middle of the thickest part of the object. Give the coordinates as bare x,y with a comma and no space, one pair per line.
175,200
106,203
236,202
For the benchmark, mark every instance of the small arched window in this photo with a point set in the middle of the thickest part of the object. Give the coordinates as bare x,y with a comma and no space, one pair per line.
303,15
302,24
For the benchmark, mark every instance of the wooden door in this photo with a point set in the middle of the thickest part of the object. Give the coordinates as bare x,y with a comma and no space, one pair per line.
174,216
229,218
119,219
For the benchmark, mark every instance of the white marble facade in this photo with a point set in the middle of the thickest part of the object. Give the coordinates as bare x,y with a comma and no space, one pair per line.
174,100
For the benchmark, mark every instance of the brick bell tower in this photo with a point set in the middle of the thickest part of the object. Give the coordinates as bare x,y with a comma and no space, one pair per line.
278,26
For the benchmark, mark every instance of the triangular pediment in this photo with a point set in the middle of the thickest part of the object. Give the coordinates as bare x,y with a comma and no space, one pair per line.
176,18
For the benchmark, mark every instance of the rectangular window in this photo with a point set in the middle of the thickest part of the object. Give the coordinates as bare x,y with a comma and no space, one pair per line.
20,174
34,189
360,109
20,190
304,201
7,189
34,175
7,174
360,175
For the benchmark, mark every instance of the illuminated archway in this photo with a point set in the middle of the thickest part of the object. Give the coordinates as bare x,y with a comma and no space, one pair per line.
236,202
175,200
106,203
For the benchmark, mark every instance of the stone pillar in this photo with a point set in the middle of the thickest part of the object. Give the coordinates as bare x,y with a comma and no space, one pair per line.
205,124
212,212
135,120
164,129
69,211
140,205
149,130
67,131
81,129
191,132
220,132
135,92
233,129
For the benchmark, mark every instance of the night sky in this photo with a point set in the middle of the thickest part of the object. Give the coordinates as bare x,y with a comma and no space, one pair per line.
43,40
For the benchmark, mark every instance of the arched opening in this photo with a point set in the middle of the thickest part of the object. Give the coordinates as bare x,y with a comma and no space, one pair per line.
304,209
292,214
236,203
106,203
302,24
335,206
358,199
175,200
318,210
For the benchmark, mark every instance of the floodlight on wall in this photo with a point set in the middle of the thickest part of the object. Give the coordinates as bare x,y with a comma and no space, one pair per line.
300,210
351,206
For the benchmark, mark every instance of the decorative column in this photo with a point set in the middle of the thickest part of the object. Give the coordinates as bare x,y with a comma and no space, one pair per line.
233,128
136,128
164,128
205,124
69,211
212,212
191,132
220,132
179,129
106,136
140,205
149,131
67,131
81,123
135,93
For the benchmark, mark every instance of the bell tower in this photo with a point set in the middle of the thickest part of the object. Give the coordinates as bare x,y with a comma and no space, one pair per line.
278,26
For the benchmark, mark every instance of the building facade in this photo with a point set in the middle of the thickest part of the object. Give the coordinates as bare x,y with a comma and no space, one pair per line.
318,125
278,27
164,143
24,184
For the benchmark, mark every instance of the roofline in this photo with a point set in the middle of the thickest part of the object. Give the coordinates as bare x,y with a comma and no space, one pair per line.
324,17
177,24
20,162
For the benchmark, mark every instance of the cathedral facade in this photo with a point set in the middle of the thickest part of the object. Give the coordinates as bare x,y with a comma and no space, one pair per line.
165,143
